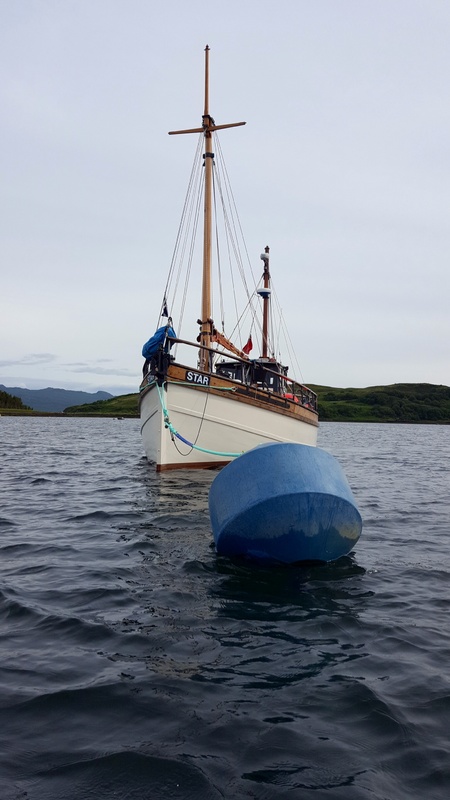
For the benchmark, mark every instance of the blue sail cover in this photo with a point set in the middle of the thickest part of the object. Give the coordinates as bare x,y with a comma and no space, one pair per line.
152,346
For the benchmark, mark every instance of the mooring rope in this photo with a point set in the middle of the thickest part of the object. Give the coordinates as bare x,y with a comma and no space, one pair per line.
174,432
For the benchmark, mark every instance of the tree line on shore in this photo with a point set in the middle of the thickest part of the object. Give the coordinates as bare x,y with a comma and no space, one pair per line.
399,402
10,402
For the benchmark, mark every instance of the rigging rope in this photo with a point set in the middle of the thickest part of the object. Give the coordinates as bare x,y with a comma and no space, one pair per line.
219,263
183,217
228,224
292,355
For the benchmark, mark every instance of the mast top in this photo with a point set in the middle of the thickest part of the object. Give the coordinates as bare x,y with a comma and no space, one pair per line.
206,111
208,123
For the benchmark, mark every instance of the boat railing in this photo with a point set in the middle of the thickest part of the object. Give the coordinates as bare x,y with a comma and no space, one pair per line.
296,392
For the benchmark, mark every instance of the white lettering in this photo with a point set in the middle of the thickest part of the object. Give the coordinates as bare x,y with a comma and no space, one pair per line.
195,377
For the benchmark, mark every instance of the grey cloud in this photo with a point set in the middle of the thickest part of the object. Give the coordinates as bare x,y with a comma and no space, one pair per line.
31,360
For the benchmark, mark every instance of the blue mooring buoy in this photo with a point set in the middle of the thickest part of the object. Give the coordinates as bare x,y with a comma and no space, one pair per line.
284,503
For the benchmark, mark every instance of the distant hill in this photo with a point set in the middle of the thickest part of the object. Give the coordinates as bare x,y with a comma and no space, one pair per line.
400,402
53,399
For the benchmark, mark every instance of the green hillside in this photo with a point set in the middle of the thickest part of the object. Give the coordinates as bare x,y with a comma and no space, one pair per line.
125,405
401,402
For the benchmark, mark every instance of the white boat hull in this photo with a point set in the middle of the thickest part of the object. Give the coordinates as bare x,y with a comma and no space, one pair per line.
222,425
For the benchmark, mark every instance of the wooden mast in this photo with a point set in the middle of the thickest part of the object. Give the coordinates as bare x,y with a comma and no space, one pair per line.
206,321
208,126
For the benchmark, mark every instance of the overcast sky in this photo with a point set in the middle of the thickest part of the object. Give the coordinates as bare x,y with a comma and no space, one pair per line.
343,168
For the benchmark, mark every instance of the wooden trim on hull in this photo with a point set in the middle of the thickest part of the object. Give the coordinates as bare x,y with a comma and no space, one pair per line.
191,465
242,394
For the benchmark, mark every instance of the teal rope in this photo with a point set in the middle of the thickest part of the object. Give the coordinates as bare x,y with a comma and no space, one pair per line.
174,432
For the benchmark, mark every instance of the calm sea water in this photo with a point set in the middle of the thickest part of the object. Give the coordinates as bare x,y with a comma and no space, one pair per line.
137,664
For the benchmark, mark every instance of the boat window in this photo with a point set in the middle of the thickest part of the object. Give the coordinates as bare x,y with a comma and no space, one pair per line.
230,369
266,379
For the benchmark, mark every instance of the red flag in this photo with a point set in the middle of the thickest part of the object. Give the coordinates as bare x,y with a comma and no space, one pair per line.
248,346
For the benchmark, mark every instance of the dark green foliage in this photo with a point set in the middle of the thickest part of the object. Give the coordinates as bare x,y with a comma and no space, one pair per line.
401,402
125,405
9,401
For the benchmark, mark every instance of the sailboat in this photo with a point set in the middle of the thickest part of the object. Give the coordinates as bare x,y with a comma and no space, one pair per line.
205,402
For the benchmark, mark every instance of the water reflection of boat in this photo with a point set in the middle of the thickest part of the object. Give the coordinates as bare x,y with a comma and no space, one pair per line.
214,402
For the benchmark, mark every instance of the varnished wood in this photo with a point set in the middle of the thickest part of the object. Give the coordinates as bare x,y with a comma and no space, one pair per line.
206,321
249,395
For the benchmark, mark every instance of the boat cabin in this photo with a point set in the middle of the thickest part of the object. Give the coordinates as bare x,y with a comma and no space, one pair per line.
265,373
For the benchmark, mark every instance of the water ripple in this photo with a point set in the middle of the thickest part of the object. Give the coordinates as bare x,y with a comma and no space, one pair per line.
138,664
